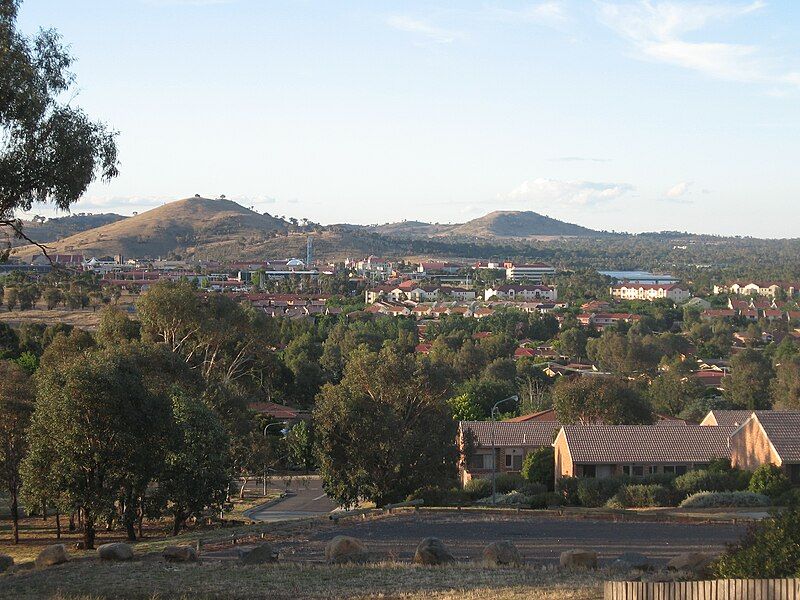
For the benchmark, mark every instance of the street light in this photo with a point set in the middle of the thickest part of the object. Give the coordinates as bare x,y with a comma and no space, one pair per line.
515,398
282,424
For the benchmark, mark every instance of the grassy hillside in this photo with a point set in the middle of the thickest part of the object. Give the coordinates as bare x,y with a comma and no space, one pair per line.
194,226
61,227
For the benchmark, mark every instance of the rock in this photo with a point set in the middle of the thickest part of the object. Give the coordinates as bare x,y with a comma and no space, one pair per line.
179,554
6,562
501,554
52,555
694,562
578,559
343,548
632,560
115,551
431,551
261,554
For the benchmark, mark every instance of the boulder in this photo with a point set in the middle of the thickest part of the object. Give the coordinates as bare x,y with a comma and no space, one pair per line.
6,562
501,554
115,551
261,554
632,561
694,562
179,554
52,555
432,551
343,548
578,559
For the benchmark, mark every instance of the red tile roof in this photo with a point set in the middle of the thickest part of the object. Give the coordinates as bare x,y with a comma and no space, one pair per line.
506,433
783,430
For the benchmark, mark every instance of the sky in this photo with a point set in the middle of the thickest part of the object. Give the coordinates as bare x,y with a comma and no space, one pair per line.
642,115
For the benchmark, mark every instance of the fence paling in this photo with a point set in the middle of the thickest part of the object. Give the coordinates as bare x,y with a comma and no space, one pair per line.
721,589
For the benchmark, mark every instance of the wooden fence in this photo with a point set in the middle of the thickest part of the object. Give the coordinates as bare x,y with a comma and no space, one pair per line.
721,589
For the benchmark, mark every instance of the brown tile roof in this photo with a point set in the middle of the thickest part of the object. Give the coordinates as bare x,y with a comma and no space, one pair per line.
783,430
612,444
548,415
727,418
529,433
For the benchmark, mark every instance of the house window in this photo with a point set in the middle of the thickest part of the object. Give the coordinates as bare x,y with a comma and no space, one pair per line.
638,471
680,469
590,471
480,462
626,470
652,470
514,460
669,469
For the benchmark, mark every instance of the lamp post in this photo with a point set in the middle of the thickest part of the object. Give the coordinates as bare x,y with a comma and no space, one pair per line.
494,447
282,424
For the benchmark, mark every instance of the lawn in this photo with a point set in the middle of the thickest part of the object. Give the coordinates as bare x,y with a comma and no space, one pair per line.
150,578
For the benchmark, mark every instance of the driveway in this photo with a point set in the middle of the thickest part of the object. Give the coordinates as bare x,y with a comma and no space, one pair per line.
304,498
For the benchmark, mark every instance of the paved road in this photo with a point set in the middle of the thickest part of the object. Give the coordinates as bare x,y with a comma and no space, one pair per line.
305,499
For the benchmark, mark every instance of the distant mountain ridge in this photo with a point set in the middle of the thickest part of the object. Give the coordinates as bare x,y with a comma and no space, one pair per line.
497,224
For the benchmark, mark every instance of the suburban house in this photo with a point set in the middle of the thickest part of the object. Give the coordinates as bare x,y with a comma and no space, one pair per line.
650,291
521,292
528,272
636,450
768,436
512,442
769,289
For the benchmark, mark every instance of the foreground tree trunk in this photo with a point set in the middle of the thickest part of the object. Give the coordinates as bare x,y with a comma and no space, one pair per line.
88,530
15,513
180,519
58,525
129,517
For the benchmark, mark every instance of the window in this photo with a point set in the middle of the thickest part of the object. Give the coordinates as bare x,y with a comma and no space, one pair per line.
638,471
669,469
626,470
478,462
652,470
590,471
514,460
680,470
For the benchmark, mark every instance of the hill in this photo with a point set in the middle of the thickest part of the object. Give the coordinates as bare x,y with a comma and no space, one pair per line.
199,227
497,224
61,227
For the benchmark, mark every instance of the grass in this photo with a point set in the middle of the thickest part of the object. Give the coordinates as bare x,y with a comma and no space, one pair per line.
149,579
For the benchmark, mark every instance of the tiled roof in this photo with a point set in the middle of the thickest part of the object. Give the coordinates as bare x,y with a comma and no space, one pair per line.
548,416
506,433
727,418
783,430
612,444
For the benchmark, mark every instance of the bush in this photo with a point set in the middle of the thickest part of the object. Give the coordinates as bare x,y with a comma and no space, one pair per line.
596,492
567,488
478,488
789,498
770,549
508,482
539,467
640,496
725,500
433,496
712,481
510,499
533,489
546,500
770,480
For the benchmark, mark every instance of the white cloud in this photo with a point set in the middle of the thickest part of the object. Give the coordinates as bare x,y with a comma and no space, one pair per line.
679,189
426,30
570,193
551,12
658,29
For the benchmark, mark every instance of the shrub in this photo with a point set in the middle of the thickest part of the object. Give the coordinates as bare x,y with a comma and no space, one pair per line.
567,488
433,496
510,499
769,549
508,482
478,488
770,480
539,467
596,492
725,499
640,496
546,500
708,481
533,489
789,498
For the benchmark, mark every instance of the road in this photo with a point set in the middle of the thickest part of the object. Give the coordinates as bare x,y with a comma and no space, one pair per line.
305,499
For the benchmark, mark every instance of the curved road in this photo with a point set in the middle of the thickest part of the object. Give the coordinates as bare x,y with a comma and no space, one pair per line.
305,498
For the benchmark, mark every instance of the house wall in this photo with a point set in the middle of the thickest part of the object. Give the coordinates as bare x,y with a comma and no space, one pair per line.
750,447
564,465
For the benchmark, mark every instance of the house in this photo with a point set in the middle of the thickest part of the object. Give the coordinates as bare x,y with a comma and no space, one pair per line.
548,415
769,289
527,272
725,418
710,379
521,292
388,292
424,293
698,303
511,441
650,291
636,450
458,293
768,436
718,313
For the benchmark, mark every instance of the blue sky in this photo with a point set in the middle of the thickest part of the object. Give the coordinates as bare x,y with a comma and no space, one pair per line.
635,116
